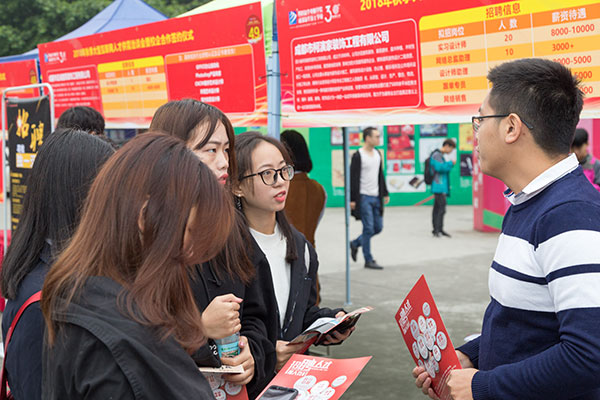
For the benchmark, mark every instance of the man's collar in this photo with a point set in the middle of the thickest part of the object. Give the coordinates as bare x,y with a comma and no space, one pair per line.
543,180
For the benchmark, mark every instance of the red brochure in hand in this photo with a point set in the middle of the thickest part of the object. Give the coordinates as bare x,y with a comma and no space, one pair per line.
426,336
307,377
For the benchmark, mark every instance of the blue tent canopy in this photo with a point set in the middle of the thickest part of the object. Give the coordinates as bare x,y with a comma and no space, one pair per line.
118,15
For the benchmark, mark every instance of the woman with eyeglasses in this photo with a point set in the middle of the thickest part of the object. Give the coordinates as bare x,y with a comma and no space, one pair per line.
225,288
286,263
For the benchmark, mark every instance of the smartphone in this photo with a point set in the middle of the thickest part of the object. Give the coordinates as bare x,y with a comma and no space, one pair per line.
279,393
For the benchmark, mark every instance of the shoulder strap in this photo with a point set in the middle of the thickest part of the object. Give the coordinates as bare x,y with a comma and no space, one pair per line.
33,299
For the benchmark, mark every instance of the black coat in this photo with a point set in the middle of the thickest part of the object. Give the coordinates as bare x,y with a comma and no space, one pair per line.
101,354
206,285
355,170
24,361
302,309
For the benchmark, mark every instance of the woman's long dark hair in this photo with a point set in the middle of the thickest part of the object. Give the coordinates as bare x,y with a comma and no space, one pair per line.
62,173
180,118
298,150
244,147
132,230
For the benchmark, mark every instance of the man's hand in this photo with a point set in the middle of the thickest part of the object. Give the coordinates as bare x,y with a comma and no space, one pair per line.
423,380
352,205
465,361
459,383
285,352
222,318
386,200
244,359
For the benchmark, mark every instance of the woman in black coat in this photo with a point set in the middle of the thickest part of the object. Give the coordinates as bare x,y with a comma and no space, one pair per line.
120,313
62,173
286,263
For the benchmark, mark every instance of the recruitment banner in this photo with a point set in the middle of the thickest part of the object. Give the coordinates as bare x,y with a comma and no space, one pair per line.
388,62
28,122
19,73
216,57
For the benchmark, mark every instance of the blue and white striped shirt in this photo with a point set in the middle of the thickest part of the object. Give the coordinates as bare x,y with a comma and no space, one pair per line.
541,331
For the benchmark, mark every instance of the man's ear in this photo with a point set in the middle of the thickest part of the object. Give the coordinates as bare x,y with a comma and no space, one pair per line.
513,129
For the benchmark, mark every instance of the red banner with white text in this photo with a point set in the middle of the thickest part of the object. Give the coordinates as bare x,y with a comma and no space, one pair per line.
216,57
386,62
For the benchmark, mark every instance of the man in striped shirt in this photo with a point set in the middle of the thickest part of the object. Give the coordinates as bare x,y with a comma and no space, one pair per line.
541,331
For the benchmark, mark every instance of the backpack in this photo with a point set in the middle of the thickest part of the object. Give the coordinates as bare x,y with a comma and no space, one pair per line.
428,172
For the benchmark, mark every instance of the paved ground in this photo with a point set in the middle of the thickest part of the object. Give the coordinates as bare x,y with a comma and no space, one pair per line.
456,270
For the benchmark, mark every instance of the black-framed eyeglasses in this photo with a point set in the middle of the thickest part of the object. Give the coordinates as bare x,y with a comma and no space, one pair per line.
476,120
269,176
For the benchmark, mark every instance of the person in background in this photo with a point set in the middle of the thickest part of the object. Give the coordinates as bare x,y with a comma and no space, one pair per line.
306,199
368,194
220,284
440,187
83,118
540,336
120,313
286,262
64,169
590,165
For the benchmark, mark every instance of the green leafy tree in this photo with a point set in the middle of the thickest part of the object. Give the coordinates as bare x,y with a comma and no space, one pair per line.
25,23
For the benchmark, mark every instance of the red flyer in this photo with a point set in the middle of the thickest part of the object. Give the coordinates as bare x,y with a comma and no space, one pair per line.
223,390
426,336
315,378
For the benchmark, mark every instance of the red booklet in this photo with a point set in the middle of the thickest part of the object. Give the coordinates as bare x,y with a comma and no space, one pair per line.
426,336
307,377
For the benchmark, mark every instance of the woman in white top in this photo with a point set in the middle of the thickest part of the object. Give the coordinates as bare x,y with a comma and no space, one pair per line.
285,261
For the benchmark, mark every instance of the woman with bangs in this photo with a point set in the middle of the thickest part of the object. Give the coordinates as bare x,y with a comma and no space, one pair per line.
286,261
225,288
120,313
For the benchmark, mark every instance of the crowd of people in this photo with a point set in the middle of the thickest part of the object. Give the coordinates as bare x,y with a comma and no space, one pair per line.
143,262
129,265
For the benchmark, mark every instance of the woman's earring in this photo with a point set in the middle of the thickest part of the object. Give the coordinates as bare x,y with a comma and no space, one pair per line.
238,202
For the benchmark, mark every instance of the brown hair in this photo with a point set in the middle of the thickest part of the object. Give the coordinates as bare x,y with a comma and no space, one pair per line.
179,118
154,181
244,147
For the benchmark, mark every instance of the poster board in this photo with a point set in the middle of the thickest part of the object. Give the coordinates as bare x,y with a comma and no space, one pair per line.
387,62
126,74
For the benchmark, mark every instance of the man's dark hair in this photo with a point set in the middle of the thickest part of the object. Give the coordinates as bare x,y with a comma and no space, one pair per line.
543,93
580,138
449,142
82,118
298,149
368,132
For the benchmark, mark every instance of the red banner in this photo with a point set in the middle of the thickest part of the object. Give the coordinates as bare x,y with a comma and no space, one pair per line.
387,62
19,73
216,57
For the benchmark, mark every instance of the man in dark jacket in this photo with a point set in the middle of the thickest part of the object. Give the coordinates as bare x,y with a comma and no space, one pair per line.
368,194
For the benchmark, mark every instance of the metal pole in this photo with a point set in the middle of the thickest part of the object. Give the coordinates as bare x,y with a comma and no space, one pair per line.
274,84
5,138
347,209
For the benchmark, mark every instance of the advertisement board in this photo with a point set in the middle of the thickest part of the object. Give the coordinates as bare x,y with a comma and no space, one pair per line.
364,62
216,57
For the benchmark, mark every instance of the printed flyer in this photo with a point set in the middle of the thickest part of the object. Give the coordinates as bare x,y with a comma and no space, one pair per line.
426,336
307,377
223,390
